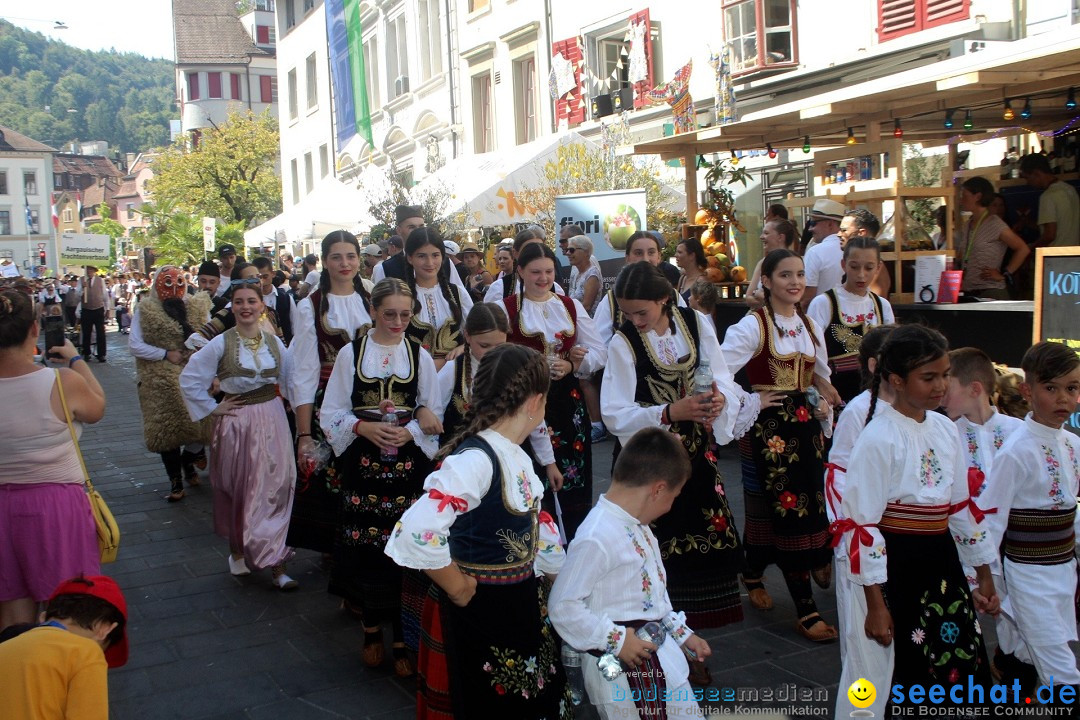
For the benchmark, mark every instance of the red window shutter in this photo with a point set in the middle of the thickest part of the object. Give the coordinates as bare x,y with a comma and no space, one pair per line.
193,86
265,92
897,17
570,106
213,85
234,86
650,82
942,12
262,34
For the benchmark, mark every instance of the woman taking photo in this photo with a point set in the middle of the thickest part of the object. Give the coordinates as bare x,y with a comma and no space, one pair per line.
649,382
585,279
324,322
776,235
559,328
436,326
380,467
981,248
690,256
251,453
784,355
47,533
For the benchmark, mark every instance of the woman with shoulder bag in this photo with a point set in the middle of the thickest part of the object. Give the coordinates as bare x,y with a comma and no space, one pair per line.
47,532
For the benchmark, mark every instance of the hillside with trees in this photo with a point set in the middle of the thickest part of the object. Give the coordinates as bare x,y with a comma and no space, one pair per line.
56,93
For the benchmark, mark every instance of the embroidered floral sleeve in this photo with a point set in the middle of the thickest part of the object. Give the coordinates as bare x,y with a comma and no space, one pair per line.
677,627
749,409
973,540
420,540
585,627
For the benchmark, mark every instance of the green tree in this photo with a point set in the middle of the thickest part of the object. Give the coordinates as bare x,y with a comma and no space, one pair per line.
177,236
230,175
107,226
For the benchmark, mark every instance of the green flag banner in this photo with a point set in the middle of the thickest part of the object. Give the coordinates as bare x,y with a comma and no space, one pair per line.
356,70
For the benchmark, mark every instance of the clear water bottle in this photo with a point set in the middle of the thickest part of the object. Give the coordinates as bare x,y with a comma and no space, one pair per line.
389,453
571,660
703,378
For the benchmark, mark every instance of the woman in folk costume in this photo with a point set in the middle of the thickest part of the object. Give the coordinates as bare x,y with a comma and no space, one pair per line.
380,468
443,307
649,382
485,328
162,322
489,650
559,328
251,456
786,523
325,321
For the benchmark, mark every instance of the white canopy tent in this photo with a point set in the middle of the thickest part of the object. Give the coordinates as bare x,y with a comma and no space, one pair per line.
330,206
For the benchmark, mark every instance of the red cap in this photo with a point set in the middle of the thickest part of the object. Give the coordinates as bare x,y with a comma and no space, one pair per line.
103,588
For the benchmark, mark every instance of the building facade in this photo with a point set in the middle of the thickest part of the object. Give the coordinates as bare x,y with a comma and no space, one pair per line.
225,60
26,177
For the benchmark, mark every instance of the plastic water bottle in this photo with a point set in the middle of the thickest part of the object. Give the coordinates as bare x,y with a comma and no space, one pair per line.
389,452
571,660
703,378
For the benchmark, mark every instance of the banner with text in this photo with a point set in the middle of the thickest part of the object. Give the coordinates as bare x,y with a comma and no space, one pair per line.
84,249
1057,303
608,219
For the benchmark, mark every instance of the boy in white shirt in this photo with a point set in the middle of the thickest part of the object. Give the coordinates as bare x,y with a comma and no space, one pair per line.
613,582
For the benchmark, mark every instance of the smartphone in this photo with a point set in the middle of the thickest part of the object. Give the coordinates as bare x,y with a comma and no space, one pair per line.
54,332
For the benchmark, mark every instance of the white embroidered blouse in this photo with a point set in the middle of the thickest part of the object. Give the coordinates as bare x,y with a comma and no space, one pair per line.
202,368
344,312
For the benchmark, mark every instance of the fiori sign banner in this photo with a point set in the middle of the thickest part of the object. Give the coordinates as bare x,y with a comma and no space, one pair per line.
84,249
608,219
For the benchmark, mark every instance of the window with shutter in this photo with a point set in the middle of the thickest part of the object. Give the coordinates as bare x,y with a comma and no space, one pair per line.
897,18
570,106
213,85
644,86
762,34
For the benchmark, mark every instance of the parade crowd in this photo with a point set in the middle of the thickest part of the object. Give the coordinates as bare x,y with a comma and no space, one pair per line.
431,429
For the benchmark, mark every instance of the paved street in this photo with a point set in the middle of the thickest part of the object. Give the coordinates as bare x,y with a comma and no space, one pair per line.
207,645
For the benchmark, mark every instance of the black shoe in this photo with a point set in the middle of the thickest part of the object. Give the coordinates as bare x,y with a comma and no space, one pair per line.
101,360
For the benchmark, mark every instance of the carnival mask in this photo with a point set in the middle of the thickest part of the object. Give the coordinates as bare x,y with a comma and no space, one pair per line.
169,284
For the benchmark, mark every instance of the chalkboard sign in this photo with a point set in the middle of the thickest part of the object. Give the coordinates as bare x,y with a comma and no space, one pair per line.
1057,303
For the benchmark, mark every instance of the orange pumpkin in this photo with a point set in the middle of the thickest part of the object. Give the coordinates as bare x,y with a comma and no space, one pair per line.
713,262
708,237
738,274
714,275
703,216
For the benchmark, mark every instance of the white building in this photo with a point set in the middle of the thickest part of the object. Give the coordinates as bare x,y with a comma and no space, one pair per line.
26,180
224,61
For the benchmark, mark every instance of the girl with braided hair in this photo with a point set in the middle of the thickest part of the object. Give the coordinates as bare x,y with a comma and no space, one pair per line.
323,323
561,329
489,649
380,467
443,307
784,356
906,522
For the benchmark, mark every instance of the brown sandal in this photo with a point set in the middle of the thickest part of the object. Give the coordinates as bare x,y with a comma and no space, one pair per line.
403,666
373,653
822,576
759,596
818,630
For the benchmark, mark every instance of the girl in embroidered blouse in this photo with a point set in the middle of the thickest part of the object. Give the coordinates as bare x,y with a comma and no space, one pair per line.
846,313
437,324
251,450
486,328
480,535
380,467
907,521
559,328
783,481
649,382
323,322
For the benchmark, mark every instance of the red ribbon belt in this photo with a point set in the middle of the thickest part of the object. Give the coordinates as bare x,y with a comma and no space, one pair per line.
546,519
975,478
860,536
457,503
830,487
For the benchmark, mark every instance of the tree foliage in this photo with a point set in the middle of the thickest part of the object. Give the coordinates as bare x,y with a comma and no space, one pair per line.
229,175
386,190
177,236
57,94
107,226
585,168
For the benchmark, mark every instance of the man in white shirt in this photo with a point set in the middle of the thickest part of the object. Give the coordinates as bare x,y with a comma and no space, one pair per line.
825,253
1059,204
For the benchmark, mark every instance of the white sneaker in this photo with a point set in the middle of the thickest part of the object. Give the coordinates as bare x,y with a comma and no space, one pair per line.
238,567
284,582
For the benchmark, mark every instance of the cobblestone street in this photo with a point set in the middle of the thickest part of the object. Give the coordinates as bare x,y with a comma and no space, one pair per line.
207,645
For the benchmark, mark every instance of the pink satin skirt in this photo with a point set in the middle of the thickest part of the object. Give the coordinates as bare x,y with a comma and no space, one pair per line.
253,472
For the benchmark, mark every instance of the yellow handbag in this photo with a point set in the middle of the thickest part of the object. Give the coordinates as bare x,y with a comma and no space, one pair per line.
108,532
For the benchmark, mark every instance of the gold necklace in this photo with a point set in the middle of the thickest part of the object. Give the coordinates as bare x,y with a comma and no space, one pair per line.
252,344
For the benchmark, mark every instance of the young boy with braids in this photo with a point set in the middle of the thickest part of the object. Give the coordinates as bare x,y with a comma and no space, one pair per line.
1034,485
488,649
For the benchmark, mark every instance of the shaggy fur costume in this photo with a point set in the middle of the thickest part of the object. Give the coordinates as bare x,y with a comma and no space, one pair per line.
166,424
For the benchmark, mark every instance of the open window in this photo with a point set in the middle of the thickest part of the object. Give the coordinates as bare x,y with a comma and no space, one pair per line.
626,56
762,35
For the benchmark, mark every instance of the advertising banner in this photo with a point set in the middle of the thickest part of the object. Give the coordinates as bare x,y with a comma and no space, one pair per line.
84,249
608,219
